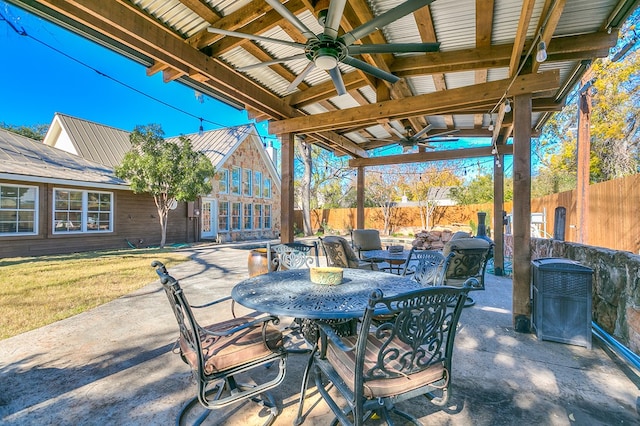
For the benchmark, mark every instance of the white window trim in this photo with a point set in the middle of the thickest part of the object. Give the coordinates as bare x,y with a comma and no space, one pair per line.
264,216
36,210
84,213
257,218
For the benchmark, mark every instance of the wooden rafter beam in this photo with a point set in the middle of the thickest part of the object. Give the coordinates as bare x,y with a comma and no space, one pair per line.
549,22
421,157
521,36
484,29
428,104
499,56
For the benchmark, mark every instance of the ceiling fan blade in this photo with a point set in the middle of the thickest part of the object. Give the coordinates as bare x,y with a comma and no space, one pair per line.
300,77
386,18
397,132
275,61
289,16
370,69
256,37
362,49
423,131
332,20
446,132
336,77
428,142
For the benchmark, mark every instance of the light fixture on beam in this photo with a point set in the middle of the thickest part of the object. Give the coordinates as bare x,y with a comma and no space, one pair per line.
201,129
491,127
507,106
541,55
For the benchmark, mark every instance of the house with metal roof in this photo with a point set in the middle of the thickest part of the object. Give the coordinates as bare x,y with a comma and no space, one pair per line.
52,201
245,201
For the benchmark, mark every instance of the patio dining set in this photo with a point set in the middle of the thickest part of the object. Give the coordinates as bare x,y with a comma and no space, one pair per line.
382,333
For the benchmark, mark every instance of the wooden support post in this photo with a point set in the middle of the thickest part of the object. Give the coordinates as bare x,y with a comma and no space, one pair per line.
360,199
498,224
584,149
286,197
521,306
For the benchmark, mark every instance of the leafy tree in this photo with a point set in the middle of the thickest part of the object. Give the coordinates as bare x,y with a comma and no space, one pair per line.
428,186
169,171
320,180
614,126
480,190
36,132
382,190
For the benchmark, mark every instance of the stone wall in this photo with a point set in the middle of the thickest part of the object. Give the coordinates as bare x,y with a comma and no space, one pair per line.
616,285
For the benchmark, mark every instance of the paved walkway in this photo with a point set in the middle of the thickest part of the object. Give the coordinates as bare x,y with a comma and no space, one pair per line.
114,365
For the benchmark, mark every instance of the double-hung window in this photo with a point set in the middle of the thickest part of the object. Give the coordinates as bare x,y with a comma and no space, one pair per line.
266,187
248,216
82,211
257,216
235,180
235,216
267,216
18,210
223,216
223,183
247,183
257,184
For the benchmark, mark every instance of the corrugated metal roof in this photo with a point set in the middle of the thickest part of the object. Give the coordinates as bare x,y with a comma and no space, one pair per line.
22,158
96,142
454,22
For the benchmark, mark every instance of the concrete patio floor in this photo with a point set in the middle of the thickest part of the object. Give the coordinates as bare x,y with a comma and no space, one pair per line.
114,365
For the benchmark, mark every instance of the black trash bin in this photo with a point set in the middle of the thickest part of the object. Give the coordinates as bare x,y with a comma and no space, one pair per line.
561,296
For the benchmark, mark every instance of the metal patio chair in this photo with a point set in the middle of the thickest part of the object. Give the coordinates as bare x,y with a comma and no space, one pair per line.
217,353
340,254
466,258
293,255
408,355
425,266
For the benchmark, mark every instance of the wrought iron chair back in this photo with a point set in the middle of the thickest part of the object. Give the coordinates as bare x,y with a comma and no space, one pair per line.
408,355
466,262
340,254
425,266
218,352
294,255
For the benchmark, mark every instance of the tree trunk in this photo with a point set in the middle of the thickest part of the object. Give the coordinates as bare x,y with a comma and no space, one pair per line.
305,186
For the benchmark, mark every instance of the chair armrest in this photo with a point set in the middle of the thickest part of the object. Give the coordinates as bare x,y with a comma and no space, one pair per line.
334,337
214,302
228,332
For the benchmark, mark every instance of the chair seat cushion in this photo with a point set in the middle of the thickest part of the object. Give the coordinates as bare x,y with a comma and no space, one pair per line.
222,353
404,381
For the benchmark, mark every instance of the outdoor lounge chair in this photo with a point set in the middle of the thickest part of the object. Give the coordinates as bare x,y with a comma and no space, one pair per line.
364,240
218,352
340,254
407,355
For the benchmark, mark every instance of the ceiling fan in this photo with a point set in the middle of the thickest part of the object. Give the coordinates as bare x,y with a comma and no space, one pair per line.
410,139
326,50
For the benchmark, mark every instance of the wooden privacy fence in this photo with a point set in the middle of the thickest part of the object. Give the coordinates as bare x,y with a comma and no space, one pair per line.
613,220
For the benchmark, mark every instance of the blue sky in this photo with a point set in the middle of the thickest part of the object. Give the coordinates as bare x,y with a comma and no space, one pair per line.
36,81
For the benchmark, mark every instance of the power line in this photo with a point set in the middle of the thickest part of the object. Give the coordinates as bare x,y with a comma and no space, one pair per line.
22,32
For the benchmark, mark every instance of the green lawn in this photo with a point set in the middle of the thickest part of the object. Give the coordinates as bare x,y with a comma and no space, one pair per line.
36,291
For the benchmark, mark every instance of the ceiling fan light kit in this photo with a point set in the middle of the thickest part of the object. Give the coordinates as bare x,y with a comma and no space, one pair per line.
326,50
